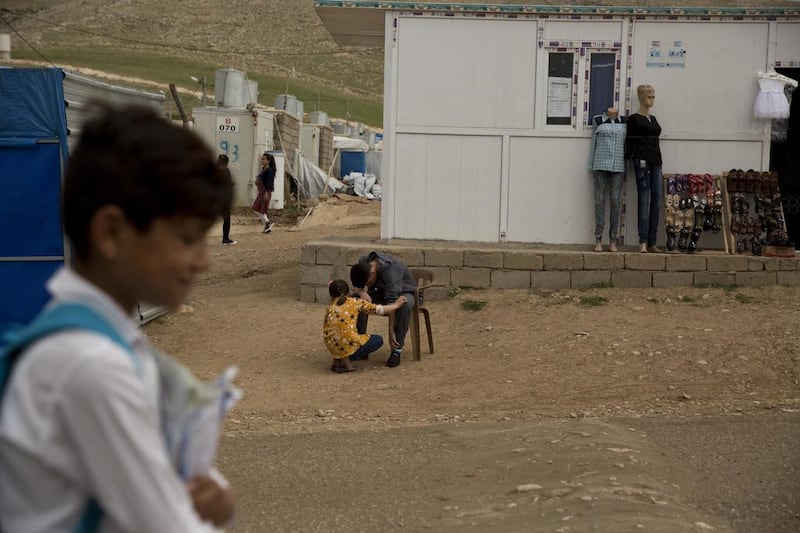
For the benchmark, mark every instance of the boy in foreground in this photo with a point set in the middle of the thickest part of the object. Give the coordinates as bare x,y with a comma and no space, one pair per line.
79,420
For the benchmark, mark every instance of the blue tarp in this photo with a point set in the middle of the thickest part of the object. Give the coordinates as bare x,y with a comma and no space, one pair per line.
33,145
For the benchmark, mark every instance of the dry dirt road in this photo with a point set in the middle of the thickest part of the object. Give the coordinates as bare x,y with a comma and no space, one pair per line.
663,410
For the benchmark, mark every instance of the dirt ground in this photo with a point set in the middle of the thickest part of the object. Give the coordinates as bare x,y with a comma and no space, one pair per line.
653,409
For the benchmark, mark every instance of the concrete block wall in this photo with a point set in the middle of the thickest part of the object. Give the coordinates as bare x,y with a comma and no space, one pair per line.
325,147
286,135
514,267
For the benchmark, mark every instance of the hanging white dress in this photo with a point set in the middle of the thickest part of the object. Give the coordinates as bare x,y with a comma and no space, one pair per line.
771,101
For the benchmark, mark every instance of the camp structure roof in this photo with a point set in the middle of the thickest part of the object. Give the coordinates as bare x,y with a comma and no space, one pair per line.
361,22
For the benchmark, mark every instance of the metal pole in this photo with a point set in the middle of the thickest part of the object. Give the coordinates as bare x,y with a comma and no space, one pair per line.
178,104
204,91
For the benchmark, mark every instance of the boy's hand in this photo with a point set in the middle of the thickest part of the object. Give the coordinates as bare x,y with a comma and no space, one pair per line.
211,501
401,301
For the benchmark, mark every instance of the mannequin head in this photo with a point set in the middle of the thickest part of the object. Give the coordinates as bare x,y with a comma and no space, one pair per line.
647,97
612,112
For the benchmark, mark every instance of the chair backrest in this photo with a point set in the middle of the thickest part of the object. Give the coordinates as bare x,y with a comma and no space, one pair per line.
424,276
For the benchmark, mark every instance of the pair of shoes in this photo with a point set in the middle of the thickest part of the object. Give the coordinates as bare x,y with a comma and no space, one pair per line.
267,229
228,241
394,359
612,247
598,247
643,247
655,249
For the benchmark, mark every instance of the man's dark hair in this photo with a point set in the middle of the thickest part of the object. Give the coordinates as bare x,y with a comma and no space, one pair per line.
133,158
359,274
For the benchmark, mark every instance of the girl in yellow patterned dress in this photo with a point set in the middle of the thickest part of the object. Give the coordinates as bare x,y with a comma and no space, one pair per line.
339,329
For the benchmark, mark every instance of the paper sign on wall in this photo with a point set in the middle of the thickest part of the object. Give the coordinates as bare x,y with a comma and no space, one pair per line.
666,55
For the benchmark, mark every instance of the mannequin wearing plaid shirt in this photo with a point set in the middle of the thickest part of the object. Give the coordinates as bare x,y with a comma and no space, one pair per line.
607,162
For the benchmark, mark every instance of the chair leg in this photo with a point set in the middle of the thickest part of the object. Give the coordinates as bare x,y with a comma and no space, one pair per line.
428,328
415,333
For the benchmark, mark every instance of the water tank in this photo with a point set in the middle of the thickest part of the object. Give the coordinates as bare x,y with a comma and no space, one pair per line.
5,46
251,97
319,117
299,110
340,127
230,88
287,102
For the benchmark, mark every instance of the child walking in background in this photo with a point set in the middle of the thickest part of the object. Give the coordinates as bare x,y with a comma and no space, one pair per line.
339,329
265,184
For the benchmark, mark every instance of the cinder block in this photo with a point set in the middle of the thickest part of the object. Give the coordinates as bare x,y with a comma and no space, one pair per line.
315,275
590,278
483,259
329,254
597,261
308,293
308,254
725,279
637,261
573,261
673,279
511,279
757,264
727,263
522,261
437,293
771,265
632,278
440,274
555,279
475,278
448,258
685,263
322,295
756,279
788,264
410,256
789,278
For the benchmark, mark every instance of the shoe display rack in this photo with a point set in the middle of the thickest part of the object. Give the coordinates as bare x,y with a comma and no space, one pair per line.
694,204
757,224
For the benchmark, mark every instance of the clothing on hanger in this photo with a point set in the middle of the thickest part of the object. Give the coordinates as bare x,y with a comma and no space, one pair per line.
771,101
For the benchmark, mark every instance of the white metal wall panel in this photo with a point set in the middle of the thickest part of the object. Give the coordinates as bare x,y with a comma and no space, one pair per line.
466,73
558,30
716,89
787,44
550,191
447,187
713,157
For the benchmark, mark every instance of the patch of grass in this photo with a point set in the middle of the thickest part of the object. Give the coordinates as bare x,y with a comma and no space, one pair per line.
687,299
744,298
592,301
473,305
455,291
599,285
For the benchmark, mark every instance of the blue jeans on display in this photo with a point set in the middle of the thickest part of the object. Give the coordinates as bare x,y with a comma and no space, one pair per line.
607,185
374,342
648,189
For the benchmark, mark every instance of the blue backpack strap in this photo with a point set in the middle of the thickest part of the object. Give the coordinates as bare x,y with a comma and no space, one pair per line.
61,317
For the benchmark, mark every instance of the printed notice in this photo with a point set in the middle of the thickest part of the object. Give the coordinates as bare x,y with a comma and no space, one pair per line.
670,54
559,97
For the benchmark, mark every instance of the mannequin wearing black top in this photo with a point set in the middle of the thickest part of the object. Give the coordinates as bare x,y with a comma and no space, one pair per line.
642,148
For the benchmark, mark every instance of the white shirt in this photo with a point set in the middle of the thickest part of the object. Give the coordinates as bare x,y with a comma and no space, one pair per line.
78,421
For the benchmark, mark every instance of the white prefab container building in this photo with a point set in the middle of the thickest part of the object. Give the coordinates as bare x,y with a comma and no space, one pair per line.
243,135
486,131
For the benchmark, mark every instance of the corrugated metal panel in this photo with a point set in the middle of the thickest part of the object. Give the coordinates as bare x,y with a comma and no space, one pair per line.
79,90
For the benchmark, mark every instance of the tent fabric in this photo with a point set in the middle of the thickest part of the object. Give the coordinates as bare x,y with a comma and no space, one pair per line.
311,180
33,107
348,144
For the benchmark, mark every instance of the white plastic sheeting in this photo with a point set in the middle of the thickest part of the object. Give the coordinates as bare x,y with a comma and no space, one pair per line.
312,180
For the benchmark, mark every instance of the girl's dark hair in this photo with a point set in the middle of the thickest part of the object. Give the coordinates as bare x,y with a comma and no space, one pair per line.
338,289
133,158
271,161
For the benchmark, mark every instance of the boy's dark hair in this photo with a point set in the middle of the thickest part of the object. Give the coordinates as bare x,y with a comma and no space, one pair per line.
359,274
133,158
338,289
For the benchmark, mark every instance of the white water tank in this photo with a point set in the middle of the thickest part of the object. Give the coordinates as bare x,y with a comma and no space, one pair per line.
319,117
5,46
233,89
287,102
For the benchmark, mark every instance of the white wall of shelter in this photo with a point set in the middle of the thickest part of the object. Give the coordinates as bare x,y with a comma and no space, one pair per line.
486,137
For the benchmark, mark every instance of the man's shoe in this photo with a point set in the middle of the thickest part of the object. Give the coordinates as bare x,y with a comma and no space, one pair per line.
394,360
228,241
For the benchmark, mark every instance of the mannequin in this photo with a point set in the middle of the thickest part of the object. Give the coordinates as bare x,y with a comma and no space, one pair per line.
642,148
607,163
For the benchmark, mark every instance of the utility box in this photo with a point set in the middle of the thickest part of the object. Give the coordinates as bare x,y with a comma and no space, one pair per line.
309,142
242,135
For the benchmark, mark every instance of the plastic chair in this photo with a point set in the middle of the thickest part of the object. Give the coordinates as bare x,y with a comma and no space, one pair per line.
425,280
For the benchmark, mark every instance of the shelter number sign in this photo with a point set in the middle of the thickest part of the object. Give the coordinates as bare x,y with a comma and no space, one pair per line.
227,124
